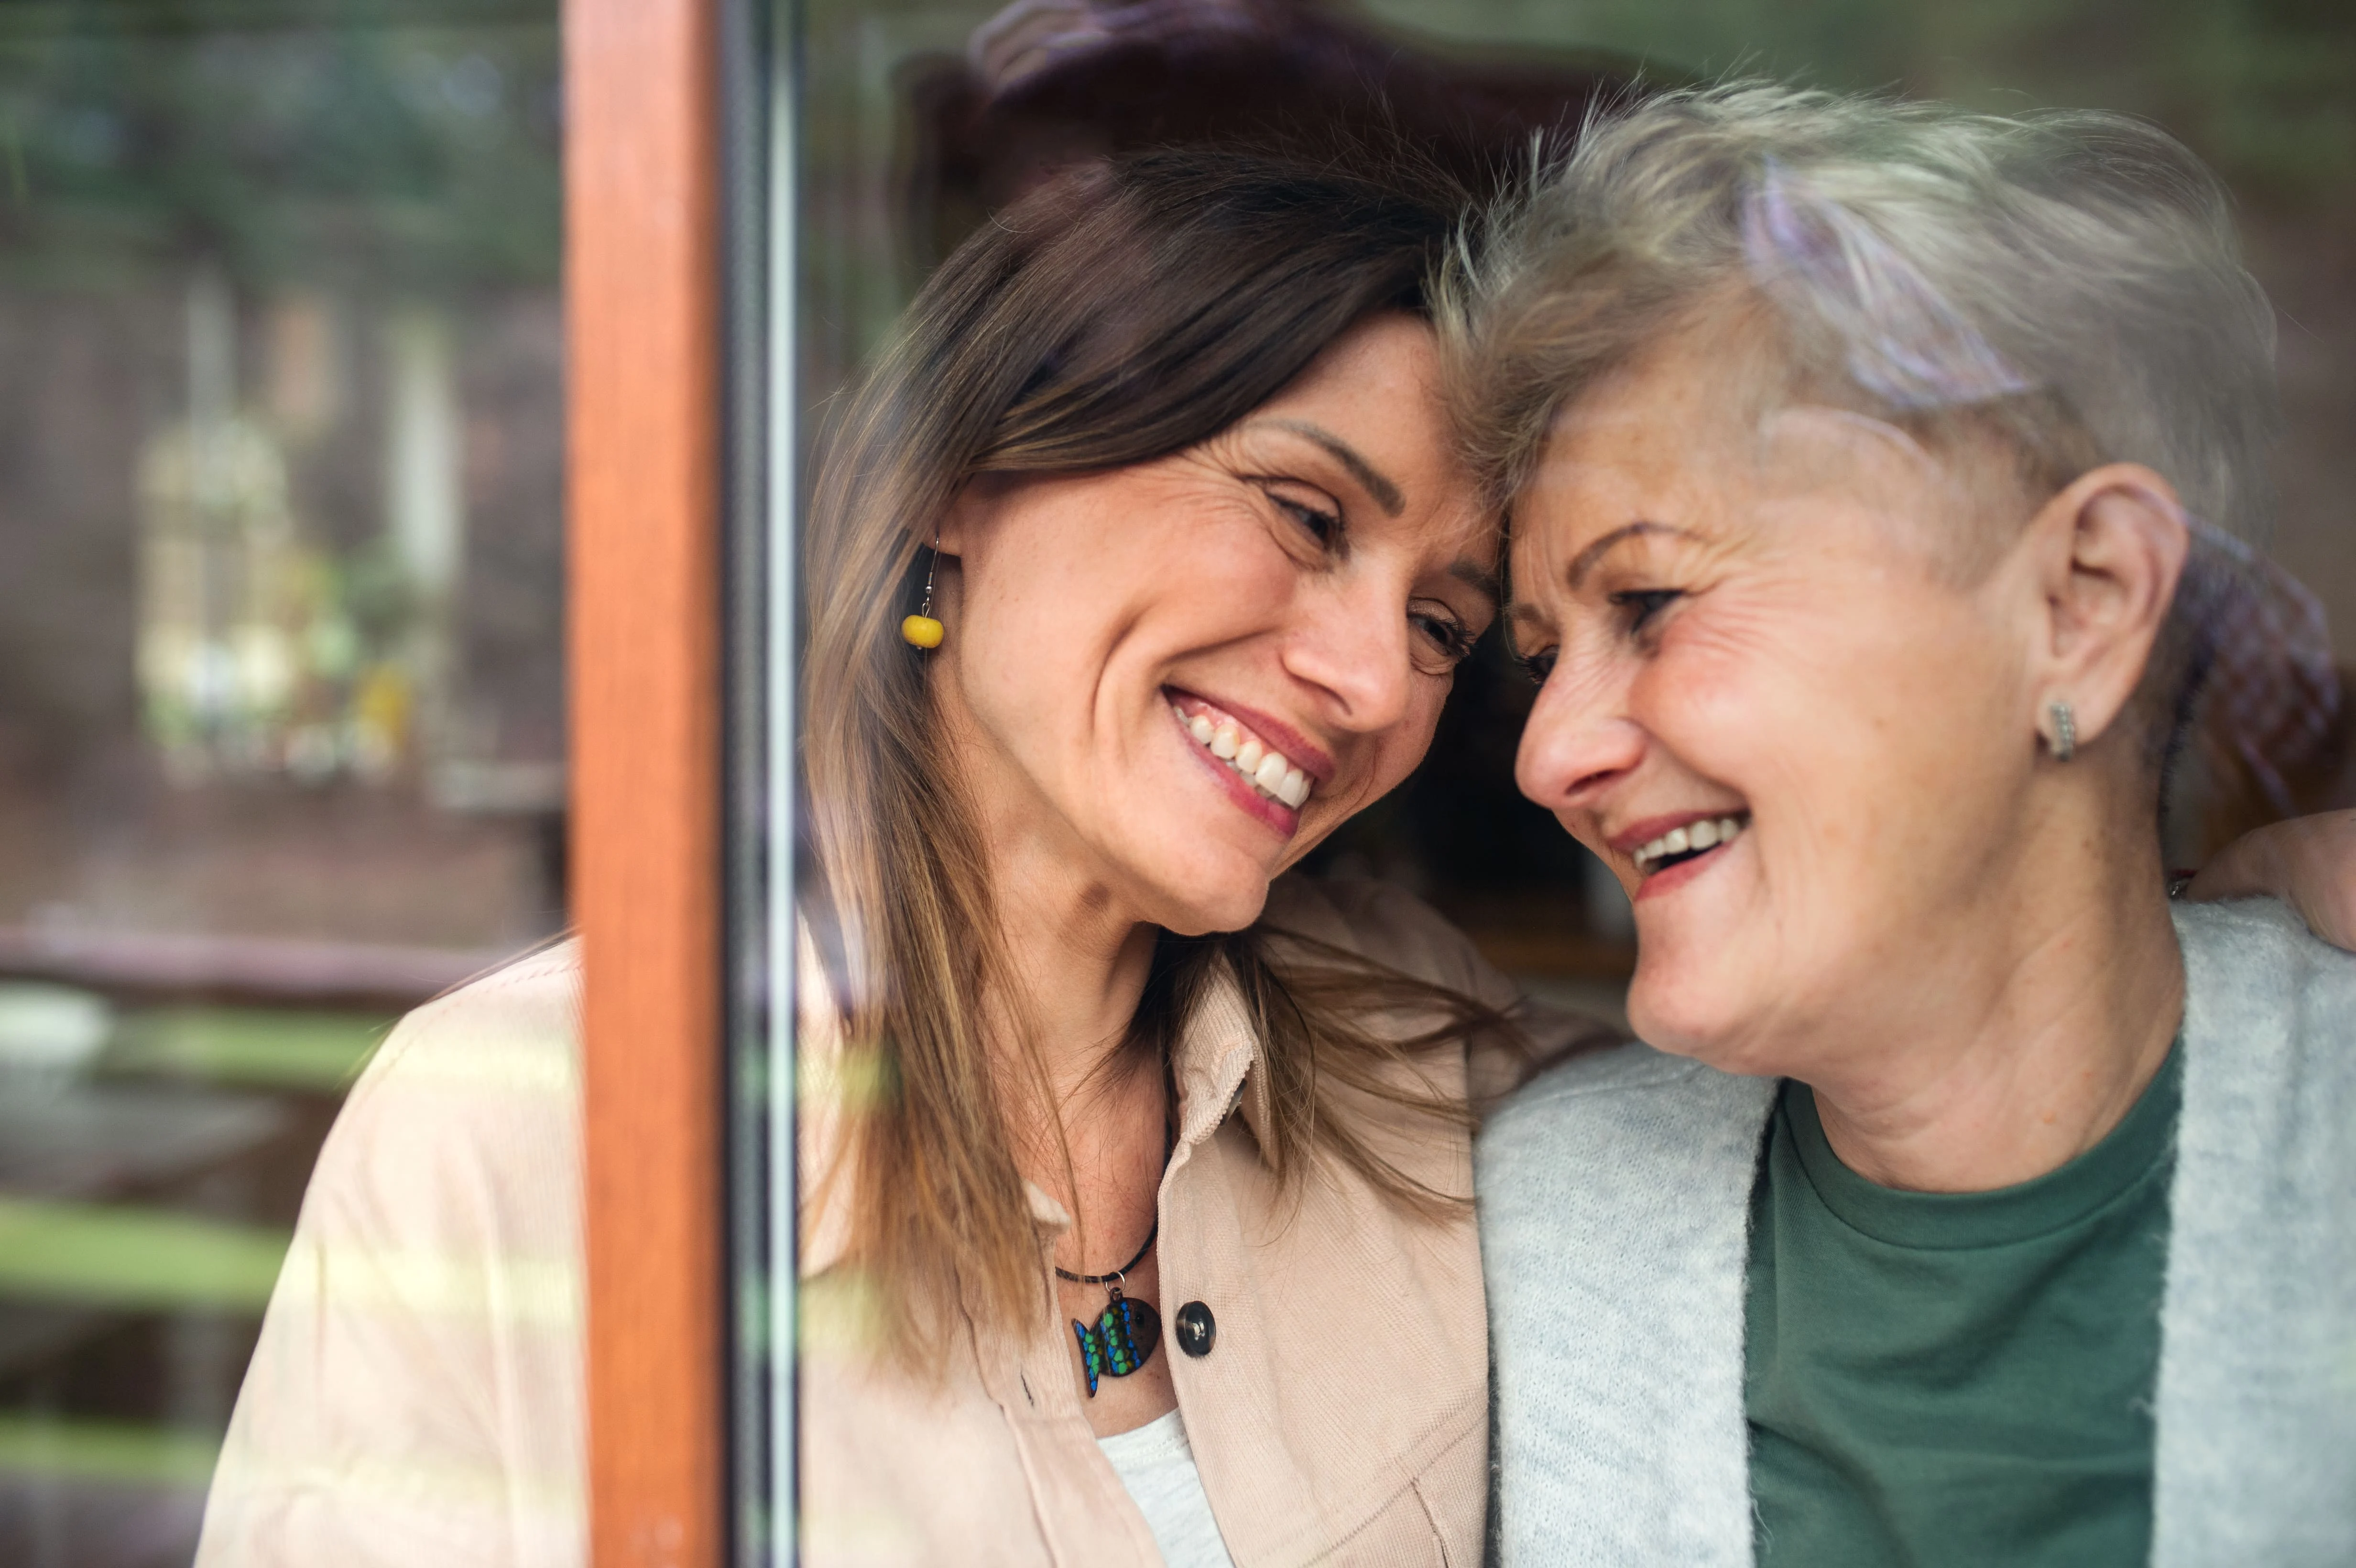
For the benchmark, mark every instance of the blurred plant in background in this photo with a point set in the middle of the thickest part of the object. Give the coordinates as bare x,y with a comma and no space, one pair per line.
305,174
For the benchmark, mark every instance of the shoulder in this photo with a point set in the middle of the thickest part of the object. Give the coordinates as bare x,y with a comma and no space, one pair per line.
1630,1108
1632,1068
527,1008
1383,923
468,1116
430,1304
2261,1267
1628,1080
2253,960
2269,1018
510,1037
2269,1038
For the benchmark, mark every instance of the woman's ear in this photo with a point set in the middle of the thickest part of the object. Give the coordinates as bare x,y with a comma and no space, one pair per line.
2109,550
969,511
957,522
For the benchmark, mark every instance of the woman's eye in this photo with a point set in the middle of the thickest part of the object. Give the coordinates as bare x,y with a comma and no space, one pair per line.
1641,604
1450,637
1536,666
1320,525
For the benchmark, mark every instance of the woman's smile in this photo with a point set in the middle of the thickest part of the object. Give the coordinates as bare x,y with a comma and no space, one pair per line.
1253,756
1670,851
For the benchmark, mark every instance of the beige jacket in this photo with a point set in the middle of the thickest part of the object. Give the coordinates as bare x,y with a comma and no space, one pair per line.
417,1394
416,1397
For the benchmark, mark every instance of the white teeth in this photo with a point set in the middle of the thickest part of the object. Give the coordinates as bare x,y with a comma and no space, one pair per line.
1269,772
1706,834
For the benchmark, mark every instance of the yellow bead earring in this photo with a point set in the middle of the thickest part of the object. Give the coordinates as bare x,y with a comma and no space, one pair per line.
920,630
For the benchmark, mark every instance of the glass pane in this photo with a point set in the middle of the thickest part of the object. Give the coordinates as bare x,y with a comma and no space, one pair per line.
936,151
281,720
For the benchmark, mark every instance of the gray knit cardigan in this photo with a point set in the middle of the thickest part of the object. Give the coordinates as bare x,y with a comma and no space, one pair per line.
1614,1196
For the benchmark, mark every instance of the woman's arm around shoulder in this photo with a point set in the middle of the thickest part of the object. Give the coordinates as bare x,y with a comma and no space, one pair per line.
2309,862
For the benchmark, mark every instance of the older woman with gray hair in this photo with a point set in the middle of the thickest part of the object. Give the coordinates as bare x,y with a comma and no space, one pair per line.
1883,478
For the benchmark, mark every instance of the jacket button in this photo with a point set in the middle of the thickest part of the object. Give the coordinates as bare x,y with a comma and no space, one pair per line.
1196,1328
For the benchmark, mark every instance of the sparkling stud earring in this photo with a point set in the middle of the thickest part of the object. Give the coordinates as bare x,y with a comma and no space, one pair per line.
920,630
2066,730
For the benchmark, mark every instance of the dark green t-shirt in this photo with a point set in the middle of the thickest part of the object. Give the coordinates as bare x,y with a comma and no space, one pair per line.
1956,1379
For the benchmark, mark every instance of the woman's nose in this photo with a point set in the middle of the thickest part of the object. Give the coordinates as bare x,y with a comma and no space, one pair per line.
1578,741
1354,646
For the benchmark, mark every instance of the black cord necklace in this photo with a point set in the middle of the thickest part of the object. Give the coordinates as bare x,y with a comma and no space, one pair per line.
1123,1336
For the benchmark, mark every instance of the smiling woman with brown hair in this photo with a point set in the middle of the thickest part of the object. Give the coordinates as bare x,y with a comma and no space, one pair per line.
1158,459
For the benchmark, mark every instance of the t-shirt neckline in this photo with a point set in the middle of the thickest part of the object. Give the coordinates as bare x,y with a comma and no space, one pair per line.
2103,1175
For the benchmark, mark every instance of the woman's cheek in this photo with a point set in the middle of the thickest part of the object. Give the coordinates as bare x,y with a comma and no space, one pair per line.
1390,758
1751,657
1395,756
1695,690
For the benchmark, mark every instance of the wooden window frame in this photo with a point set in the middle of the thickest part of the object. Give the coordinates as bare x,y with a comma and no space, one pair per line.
648,492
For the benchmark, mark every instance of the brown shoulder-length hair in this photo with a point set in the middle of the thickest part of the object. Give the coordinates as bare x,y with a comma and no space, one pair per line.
1126,311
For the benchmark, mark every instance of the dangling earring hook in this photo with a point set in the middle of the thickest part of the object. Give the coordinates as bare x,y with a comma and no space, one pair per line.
920,630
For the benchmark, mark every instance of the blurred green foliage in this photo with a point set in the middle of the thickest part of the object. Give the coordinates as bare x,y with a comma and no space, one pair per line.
413,147
266,1047
53,1446
139,1260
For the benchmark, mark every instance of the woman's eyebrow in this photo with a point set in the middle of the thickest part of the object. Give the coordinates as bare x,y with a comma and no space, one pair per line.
1584,561
1385,490
1480,577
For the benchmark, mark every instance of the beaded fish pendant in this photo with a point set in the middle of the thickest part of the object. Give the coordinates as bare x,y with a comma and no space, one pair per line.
1120,1340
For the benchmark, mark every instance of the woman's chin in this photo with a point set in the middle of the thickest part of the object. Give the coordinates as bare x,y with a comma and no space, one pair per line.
1717,1020
1198,906
1662,1028
1682,1009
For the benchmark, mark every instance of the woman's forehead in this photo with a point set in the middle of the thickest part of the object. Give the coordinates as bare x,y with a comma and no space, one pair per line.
1674,445
1383,358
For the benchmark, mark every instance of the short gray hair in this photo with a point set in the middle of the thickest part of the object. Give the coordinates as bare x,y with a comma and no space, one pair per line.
2072,275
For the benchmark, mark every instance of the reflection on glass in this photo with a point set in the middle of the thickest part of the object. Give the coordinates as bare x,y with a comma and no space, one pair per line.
280,698
949,155
279,739
262,652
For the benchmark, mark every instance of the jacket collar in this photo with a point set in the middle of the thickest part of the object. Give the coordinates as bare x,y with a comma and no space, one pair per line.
1213,1066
